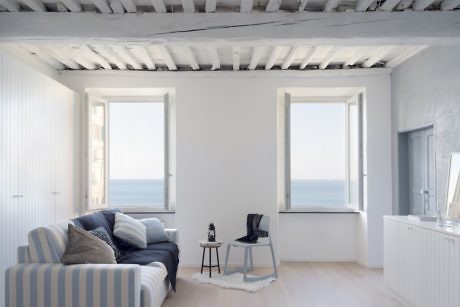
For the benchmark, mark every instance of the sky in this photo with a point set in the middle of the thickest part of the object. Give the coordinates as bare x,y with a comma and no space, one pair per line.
318,141
136,136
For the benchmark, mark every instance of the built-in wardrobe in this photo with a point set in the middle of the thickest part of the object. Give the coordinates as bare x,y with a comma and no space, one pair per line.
38,155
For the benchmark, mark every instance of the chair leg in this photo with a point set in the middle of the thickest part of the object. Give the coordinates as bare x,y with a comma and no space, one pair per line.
226,260
246,256
251,260
202,260
273,259
217,255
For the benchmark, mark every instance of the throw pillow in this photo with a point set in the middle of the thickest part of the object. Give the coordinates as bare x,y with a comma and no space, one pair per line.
102,234
130,230
83,248
155,230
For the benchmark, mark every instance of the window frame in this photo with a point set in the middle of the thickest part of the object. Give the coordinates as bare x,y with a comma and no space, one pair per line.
168,206
356,99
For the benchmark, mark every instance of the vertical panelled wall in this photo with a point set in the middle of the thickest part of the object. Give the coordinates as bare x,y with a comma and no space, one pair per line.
38,134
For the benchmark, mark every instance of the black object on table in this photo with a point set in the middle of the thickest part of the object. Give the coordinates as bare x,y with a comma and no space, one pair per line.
210,245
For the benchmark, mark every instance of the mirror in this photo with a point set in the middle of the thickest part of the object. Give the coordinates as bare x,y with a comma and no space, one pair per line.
453,188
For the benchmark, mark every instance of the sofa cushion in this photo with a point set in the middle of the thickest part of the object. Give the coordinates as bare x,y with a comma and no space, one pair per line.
155,230
130,230
154,287
84,248
102,234
104,218
47,244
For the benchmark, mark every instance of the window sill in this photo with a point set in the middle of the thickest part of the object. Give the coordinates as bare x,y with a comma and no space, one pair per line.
146,211
319,211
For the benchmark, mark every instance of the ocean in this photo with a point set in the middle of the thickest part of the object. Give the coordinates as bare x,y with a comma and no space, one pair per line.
304,193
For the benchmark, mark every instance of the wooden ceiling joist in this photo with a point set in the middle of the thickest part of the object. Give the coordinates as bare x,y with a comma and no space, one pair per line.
448,5
290,57
308,57
191,58
142,54
356,56
129,5
167,58
117,7
214,57
302,5
210,6
76,54
273,57
273,6
329,57
246,6
103,6
10,5
257,52
236,57
404,55
126,55
159,6
95,57
61,57
378,56
43,56
72,5
420,5
331,5
188,5
363,5
35,5
389,5
110,56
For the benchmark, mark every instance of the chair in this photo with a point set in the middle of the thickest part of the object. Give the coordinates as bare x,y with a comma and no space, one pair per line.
262,241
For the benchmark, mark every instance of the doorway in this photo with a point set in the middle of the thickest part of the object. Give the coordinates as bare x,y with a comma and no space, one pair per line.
417,180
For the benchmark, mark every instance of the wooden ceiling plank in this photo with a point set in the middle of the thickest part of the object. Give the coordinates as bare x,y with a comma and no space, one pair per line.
290,57
246,6
191,58
302,5
236,55
58,55
273,6
308,57
329,57
159,6
331,5
357,56
188,5
126,55
103,6
129,5
214,56
117,7
257,52
363,5
110,56
389,5
98,59
420,5
43,56
76,54
144,55
448,5
210,6
72,5
273,57
10,5
405,55
35,5
167,57
378,55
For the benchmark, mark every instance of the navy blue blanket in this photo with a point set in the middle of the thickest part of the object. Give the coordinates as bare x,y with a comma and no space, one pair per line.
165,252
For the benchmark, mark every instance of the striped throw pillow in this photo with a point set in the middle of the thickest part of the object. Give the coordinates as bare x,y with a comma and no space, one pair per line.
130,231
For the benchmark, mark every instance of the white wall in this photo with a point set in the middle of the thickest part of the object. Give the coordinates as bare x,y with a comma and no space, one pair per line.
426,90
38,155
227,155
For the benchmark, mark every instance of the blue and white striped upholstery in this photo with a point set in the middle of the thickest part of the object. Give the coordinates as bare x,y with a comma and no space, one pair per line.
87,285
130,230
154,285
23,254
47,244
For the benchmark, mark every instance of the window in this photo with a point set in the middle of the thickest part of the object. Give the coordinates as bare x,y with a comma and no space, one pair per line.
323,160
128,154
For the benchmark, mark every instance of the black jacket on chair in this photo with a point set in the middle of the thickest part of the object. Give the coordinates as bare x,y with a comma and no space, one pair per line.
253,232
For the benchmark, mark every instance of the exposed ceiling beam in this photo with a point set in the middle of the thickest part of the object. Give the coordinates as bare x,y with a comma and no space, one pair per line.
72,5
302,5
95,57
236,58
273,6
59,56
214,57
273,57
210,6
110,56
404,5
103,6
308,57
188,5
10,5
43,56
143,55
420,5
117,7
191,58
159,6
35,5
448,5
290,57
257,52
328,58
403,56
75,53
167,57
389,5
331,5
126,55
363,5
129,5
333,29
378,56
356,57
246,6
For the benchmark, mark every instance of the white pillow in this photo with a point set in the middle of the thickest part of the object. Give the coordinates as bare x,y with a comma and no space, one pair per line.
130,230
155,230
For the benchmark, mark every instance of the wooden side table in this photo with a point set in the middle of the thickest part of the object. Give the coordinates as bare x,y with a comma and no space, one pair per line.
210,245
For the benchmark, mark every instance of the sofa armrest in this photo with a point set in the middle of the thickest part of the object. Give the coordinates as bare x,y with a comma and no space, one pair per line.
87,285
173,235
23,254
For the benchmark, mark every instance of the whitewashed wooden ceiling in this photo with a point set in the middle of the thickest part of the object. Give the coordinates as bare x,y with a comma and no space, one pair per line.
217,57
209,6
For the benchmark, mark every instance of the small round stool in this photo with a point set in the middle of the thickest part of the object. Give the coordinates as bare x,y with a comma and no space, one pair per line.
210,245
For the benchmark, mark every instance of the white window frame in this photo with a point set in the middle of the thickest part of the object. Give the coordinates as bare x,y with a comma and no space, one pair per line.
169,167
357,99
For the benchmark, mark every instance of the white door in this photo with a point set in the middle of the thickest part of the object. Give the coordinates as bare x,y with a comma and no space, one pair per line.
421,172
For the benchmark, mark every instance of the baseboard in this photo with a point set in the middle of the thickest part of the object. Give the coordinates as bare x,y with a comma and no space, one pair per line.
399,298
311,259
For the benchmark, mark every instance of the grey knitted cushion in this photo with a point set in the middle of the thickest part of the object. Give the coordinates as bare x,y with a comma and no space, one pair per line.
84,247
102,234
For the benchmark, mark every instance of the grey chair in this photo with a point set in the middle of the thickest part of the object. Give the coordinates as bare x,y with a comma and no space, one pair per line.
248,259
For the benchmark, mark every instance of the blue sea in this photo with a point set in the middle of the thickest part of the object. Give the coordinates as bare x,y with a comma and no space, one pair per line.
304,193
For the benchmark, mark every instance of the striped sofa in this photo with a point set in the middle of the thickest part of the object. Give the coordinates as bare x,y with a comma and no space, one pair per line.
40,280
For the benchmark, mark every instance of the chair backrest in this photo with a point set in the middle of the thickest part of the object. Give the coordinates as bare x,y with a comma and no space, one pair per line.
264,224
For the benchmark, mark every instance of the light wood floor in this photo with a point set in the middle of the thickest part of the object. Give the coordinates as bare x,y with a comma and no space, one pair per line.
299,284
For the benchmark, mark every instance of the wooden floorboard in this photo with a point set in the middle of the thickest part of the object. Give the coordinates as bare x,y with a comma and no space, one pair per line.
299,284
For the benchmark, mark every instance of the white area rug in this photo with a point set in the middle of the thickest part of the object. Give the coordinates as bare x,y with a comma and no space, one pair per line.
233,281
